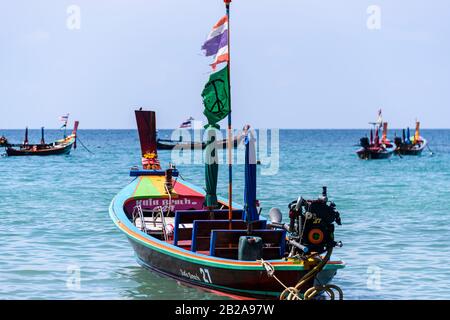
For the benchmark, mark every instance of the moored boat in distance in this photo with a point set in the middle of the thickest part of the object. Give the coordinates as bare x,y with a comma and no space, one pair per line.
376,148
59,147
169,144
410,146
176,231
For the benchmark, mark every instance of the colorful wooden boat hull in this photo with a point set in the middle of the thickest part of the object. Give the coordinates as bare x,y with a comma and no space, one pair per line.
57,150
411,150
237,281
59,147
171,144
367,154
241,278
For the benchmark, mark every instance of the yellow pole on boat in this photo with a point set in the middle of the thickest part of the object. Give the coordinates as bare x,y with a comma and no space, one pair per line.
385,129
417,134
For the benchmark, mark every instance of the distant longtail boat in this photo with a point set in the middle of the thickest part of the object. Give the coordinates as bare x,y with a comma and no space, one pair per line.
58,147
376,148
411,146
170,144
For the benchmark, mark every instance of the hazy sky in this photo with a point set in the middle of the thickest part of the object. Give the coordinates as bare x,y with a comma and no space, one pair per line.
295,63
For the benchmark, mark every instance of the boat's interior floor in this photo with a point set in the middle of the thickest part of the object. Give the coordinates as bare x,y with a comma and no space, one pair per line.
212,234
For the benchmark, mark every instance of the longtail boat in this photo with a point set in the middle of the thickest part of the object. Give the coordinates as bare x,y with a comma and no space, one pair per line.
191,234
410,146
169,144
376,148
59,147
175,232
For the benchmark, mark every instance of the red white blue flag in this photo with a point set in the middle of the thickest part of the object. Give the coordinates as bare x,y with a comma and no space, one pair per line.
64,118
187,123
217,43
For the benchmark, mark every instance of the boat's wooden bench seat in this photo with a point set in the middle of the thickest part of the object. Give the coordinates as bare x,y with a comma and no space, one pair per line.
185,218
201,230
224,243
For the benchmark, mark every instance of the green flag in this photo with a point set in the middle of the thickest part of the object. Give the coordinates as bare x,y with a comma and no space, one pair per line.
216,97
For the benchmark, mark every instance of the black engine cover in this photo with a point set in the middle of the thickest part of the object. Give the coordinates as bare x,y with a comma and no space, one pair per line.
318,232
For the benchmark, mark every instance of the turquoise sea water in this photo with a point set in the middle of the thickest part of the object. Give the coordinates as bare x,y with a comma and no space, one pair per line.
54,216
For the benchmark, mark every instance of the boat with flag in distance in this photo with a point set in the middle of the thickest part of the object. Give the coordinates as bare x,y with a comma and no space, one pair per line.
410,146
170,144
376,148
193,235
58,147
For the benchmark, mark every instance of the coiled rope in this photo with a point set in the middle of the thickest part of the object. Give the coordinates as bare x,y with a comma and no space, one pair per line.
293,293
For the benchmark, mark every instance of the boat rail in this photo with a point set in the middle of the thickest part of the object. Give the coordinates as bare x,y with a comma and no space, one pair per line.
138,213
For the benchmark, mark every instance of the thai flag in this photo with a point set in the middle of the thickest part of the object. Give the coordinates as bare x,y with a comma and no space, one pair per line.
64,118
187,123
217,43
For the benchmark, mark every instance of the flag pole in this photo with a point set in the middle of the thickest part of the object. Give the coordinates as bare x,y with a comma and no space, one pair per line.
230,139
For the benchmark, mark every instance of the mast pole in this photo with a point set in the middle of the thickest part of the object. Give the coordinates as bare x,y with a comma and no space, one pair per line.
230,138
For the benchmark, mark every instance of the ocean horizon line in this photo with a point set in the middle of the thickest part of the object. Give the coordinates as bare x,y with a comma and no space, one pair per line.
237,128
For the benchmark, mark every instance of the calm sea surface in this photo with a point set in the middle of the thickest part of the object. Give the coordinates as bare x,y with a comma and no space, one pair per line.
54,216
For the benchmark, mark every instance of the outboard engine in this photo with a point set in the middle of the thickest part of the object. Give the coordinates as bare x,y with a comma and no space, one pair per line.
312,224
365,143
3,141
398,141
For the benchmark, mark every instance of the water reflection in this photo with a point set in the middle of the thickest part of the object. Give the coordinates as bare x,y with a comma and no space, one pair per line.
145,284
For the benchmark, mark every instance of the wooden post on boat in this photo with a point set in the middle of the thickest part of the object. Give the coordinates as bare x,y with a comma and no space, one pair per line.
25,141
377,137
417,133
75,127
385,128
230,134
74,132
42,136
146,123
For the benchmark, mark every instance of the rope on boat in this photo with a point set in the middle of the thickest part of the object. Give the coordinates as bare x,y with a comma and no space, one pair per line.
82,144
431,151
293,293
328,289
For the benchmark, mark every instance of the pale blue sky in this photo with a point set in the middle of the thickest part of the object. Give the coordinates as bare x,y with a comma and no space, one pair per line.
295,63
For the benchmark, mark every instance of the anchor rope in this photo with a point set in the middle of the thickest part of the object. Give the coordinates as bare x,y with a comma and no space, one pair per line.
82,144
293,293
431,151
